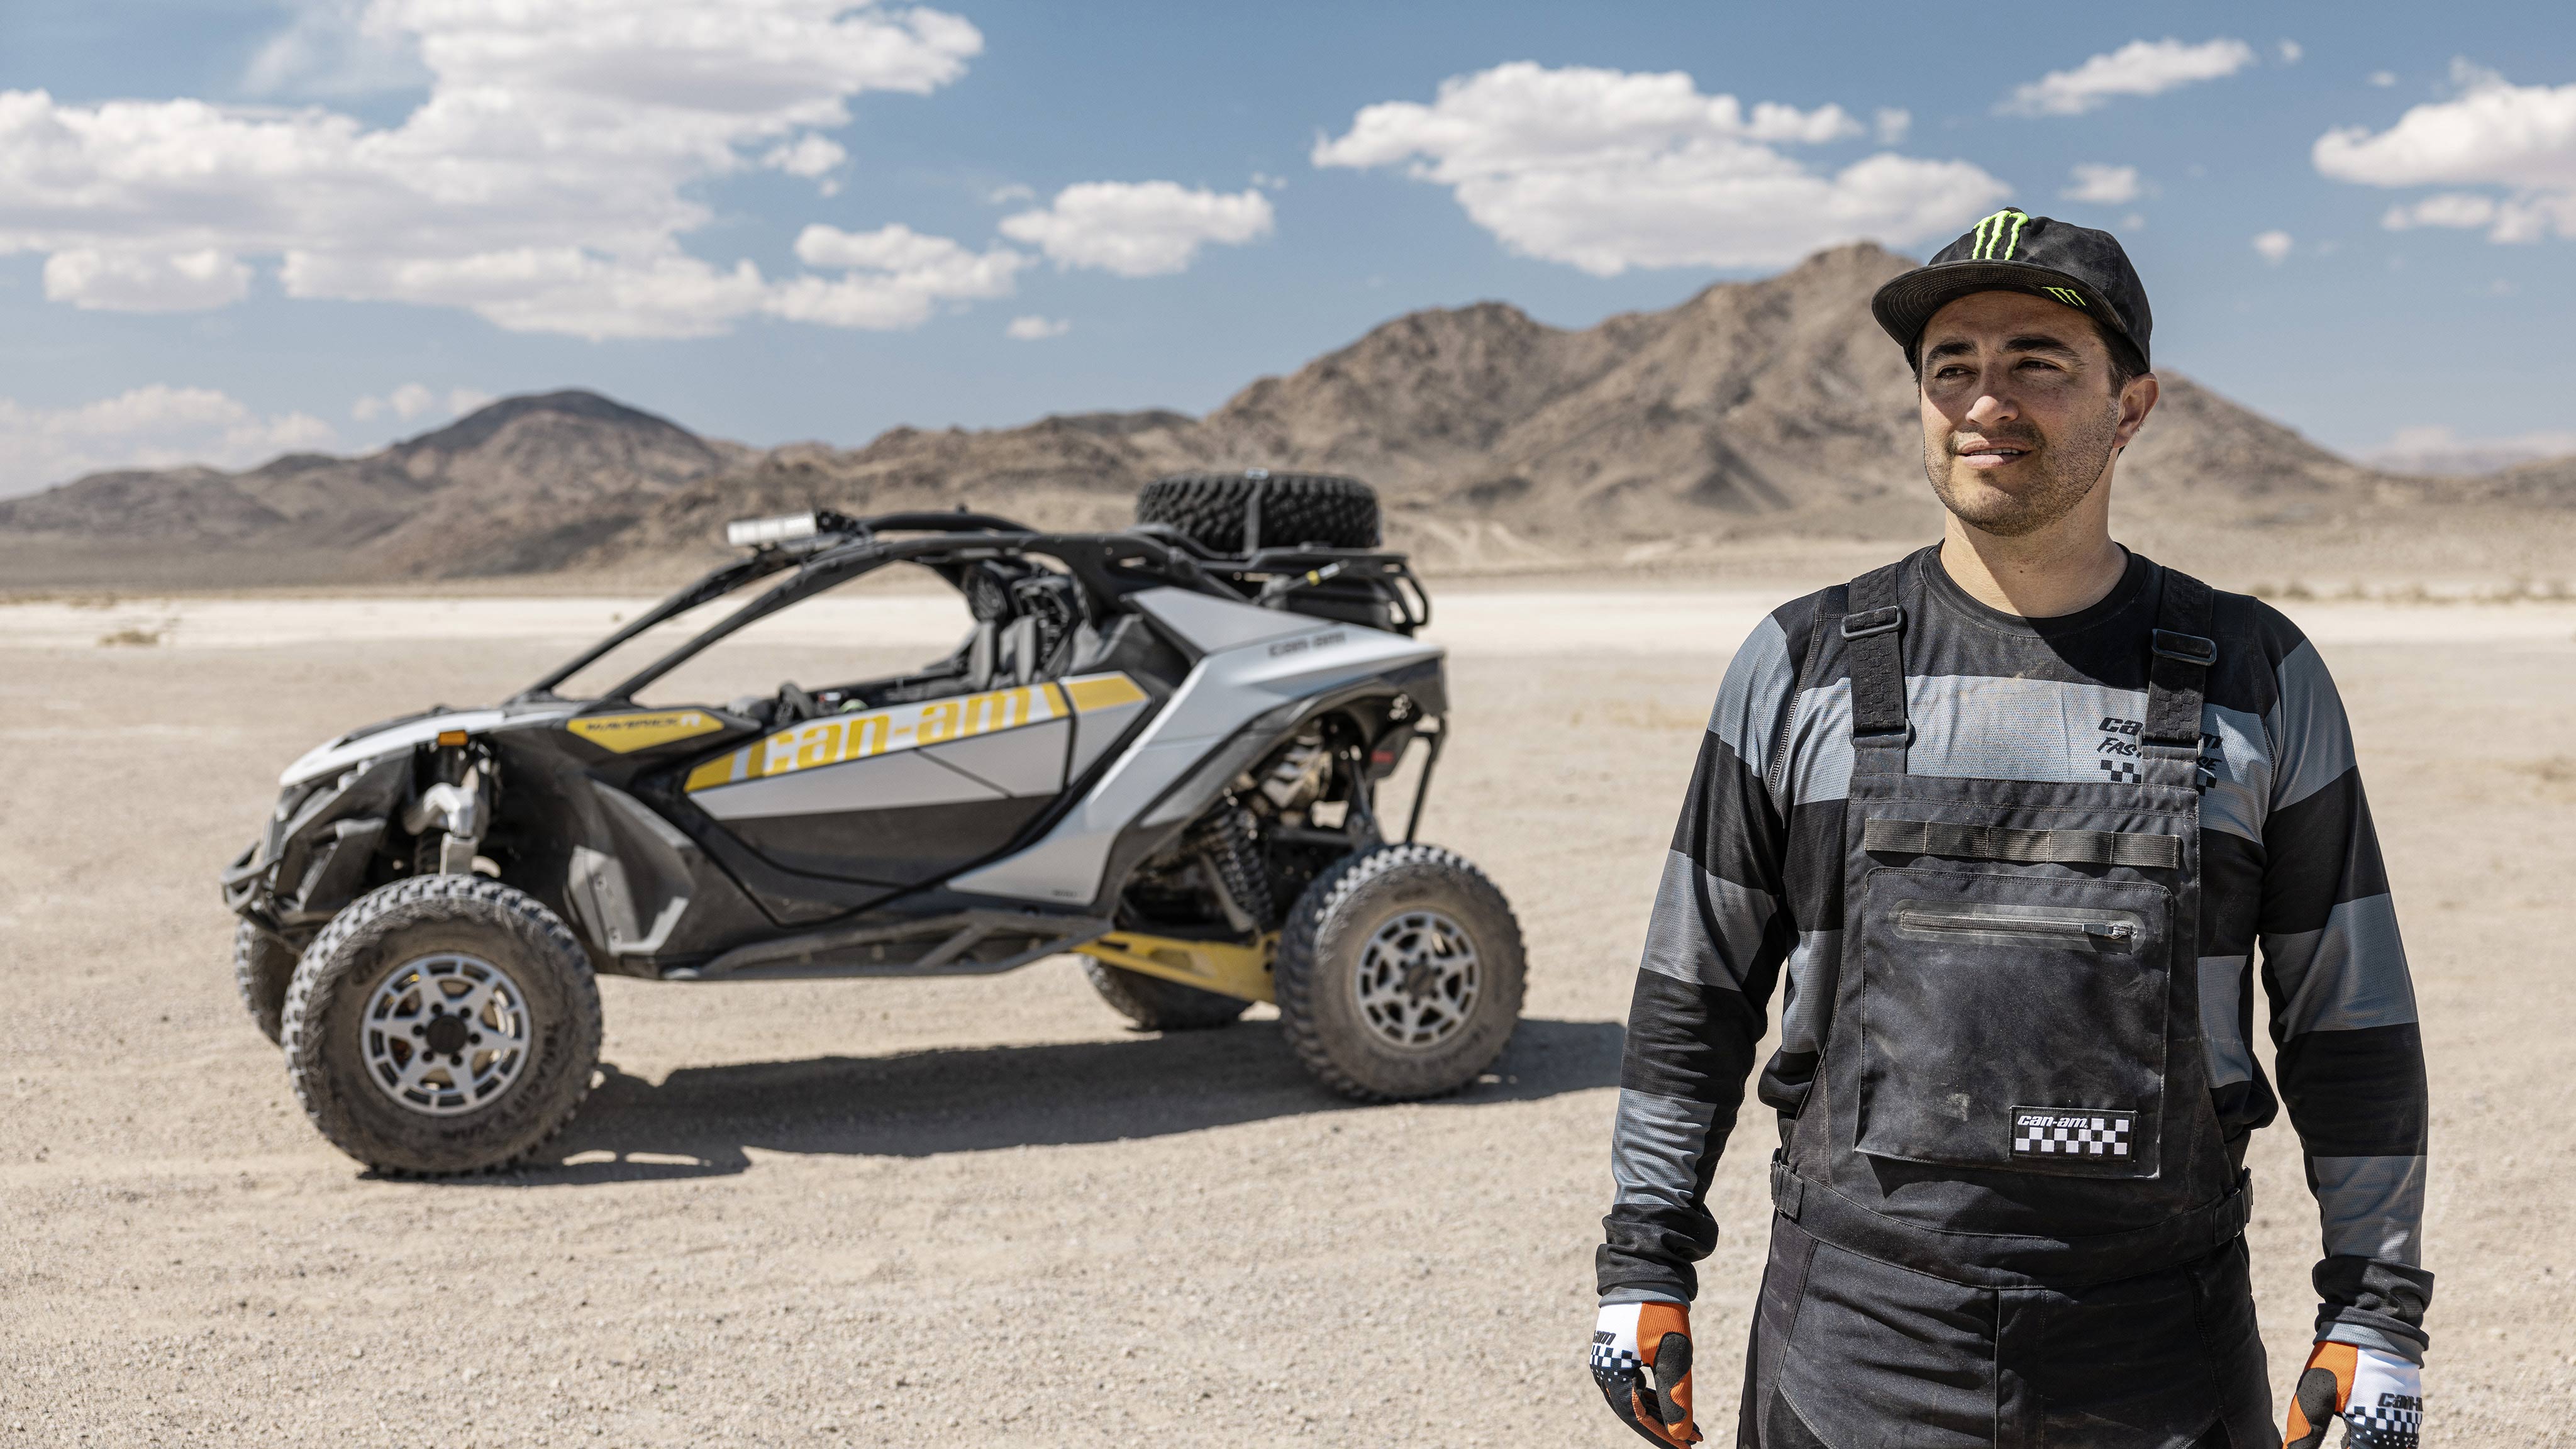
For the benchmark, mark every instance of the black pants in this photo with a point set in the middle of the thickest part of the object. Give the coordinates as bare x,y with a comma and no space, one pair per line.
1852,1353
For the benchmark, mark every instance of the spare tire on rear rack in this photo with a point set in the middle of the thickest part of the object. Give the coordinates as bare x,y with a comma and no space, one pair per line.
1234,514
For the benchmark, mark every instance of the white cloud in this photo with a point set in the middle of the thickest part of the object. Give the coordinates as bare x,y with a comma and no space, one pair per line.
2139,68
413,400
893,277
336,48
2520,140
545,182
1891,123
1607,170
147,427
2383,78
405,402
2438,448
2273,246
1015,191
145,281
1139,228
2103,185
2446,208
810,156
1037,329
2290,51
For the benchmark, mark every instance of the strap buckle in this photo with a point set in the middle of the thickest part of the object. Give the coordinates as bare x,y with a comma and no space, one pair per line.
2185,648
1873,621
1788,1190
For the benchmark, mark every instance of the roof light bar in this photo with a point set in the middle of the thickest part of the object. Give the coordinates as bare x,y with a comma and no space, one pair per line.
762,532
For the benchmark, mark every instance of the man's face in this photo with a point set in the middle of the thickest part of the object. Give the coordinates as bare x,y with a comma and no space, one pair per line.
2019,418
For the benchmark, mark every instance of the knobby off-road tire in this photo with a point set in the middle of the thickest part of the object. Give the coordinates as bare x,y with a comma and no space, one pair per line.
516,976
1399,974
1296,508
1155,1004
263,967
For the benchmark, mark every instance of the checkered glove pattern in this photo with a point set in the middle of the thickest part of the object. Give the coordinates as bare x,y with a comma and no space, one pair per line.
1630,1341
2379,1397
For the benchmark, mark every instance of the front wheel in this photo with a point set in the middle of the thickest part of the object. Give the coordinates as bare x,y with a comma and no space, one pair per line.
263,968
1399,974
442,1024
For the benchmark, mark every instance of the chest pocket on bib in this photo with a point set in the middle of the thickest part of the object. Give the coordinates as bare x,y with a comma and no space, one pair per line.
2013,1019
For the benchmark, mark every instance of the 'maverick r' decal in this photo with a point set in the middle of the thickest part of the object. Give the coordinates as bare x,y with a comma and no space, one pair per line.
631,731
837,739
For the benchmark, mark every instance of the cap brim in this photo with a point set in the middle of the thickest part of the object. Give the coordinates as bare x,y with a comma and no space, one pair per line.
1905,306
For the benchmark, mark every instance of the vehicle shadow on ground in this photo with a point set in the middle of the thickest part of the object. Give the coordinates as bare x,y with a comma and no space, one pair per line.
700,1121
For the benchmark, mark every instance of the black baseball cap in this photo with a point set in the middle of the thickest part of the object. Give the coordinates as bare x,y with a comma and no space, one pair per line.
2013,251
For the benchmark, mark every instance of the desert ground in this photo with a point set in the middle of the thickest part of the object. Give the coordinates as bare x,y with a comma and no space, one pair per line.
980,1210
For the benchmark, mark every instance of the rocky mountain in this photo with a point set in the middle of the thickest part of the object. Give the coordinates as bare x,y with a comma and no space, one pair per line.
516,487
1753,409
2551,482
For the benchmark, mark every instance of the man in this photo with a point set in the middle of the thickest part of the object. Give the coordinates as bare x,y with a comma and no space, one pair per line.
2011,817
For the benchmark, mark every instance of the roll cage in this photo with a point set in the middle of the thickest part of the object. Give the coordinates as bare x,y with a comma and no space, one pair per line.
1104,566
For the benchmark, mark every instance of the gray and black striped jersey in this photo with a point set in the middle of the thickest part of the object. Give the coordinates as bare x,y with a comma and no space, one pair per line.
1751,900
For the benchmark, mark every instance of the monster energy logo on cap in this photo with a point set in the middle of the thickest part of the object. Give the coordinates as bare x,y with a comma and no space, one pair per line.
1997,235
2014,251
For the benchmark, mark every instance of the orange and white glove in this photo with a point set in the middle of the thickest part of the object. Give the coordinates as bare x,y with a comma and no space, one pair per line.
2379,1397
1629,1341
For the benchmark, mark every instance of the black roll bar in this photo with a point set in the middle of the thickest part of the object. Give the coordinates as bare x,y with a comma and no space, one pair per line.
928,522
768,560
714,586
1104,562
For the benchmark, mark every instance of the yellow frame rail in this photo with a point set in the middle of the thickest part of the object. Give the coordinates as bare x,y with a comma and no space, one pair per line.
1242,972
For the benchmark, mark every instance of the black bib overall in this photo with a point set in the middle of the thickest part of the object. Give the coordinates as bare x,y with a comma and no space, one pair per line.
2013,1096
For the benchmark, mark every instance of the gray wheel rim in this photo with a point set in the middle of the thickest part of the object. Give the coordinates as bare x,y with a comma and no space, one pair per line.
445,1034
1418,980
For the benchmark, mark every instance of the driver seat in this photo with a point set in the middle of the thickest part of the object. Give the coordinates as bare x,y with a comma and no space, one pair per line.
983,656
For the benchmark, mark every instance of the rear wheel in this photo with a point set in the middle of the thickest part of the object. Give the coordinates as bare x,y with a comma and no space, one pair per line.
1155,1004
263,967
1400,973
442,1024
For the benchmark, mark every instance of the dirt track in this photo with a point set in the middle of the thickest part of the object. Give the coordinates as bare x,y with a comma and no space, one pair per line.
957,1212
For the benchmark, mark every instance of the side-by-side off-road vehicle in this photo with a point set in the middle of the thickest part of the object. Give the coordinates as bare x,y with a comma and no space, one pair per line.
1159,748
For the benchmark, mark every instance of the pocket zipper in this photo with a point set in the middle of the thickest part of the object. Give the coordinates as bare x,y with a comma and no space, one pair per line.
2115,933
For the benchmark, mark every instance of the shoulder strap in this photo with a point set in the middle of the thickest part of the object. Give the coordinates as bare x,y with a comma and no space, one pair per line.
1874,640
1831,604
2178,674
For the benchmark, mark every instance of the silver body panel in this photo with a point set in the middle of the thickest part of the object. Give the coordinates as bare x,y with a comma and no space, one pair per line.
1028,761
888,782
340,754
1096,730
1260,659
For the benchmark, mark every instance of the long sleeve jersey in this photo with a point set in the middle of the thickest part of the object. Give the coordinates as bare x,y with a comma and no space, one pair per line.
1751,898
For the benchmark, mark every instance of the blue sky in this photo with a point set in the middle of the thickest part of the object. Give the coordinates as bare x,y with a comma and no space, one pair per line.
230,227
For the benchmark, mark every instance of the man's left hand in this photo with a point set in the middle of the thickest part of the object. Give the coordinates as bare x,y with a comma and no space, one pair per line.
2379,1397
1629,1341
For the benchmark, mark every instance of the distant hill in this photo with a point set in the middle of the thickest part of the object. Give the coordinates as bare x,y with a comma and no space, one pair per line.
1761,409
515,487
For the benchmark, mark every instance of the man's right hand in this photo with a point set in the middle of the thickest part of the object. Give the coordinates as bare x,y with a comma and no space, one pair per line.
1629,1341
2379,1396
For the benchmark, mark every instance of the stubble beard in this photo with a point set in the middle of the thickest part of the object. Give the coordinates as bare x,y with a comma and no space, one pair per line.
2068,469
